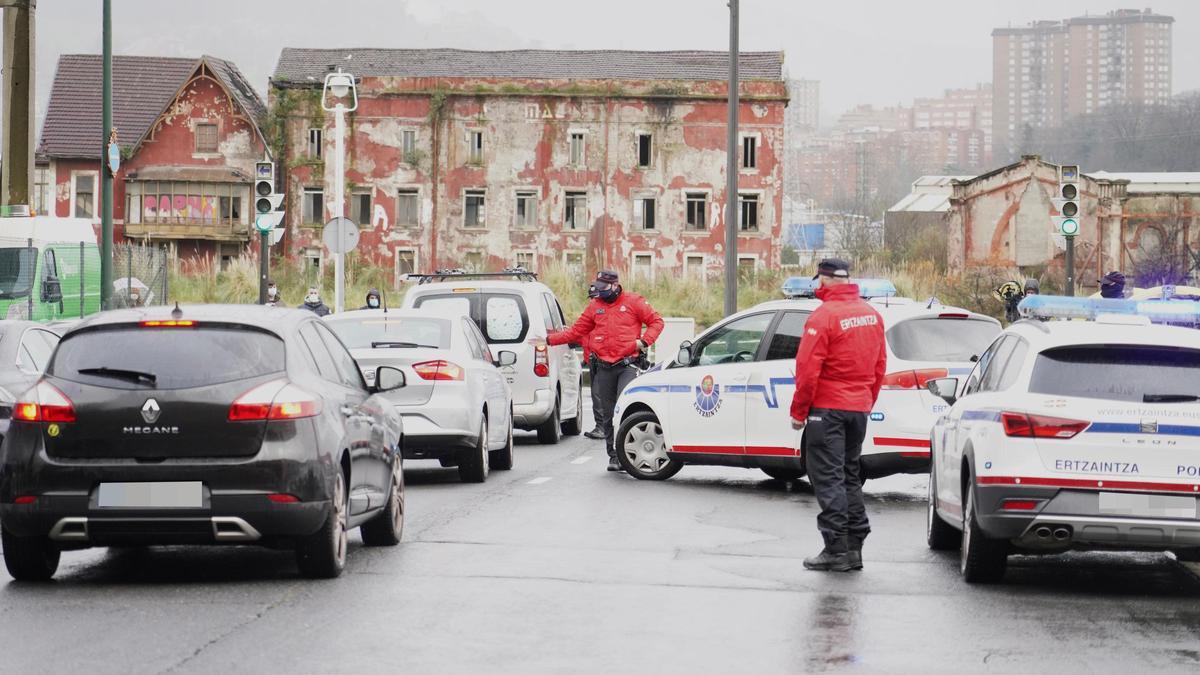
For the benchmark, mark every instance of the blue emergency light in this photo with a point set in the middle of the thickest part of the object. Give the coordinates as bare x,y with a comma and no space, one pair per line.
804,287
1175,312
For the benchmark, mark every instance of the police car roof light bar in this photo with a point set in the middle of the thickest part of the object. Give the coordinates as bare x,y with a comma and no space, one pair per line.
1174,312
518,273
804,287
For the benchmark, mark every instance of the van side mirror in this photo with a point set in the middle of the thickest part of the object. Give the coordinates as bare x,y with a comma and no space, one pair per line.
944,388
388,378
51,290
506,358
684,357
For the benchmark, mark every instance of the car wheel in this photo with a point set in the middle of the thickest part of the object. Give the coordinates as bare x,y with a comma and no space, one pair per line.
323,555
29,558
574,427
1187,554
642,448
983,560
475,466
502,459
550,431
386,528
783,474
940,535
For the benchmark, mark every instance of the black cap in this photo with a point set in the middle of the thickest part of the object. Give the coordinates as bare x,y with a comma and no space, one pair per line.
374,292
833,267
1032,284
607,276
1113,279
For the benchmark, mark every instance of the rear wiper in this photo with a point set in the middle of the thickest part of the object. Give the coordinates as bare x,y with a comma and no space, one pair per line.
120,374
400,345
1169,398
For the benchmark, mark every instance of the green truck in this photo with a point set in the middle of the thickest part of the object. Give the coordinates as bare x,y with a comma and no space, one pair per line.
49,268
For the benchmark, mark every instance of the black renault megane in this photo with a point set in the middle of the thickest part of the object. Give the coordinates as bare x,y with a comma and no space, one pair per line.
201,425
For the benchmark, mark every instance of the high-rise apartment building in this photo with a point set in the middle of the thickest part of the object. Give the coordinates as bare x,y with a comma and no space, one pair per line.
803,114
960,111
1049,71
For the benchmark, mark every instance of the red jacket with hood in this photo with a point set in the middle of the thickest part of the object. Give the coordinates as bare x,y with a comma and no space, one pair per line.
842,357
611,330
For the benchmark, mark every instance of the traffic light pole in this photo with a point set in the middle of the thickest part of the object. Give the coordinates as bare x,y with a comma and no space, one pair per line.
264,265
1070,265
731,171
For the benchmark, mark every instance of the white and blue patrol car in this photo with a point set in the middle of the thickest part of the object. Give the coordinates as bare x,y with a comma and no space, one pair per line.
726,398
1075,434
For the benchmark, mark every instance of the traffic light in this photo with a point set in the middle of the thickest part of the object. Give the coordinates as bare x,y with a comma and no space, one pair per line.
267,214
1066,201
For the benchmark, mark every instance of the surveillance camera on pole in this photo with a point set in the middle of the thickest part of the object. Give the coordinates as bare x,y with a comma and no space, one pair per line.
1066,202
267,217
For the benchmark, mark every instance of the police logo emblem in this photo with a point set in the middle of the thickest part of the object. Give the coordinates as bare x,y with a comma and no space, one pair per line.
1148,427
708,397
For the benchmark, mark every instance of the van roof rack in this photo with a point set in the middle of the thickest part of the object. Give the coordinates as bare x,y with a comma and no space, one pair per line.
514,273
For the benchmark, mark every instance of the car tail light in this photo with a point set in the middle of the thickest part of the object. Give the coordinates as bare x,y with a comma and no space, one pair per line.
280,498
44,403
1040,426
170,323
1019,504
541,361
277,400
953,315
913,379
25,499
438,370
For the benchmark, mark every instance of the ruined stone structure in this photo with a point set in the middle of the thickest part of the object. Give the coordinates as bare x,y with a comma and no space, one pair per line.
486,160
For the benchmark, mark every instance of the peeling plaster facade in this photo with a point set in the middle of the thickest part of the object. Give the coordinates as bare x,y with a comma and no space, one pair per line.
526,128
1004,218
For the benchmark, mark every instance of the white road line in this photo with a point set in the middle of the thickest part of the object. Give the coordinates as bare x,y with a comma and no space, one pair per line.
581,460
539,480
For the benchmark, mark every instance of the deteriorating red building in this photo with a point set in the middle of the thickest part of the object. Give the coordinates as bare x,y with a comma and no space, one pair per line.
489,159
189,135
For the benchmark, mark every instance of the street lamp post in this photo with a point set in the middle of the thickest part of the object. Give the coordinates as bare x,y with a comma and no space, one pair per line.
339,86
731,172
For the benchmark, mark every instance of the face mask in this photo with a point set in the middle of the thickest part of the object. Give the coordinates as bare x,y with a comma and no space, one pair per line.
272,292
373,302
312,298
610,294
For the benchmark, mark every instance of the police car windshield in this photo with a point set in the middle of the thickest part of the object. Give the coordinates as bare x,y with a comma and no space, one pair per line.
941,339
1135,373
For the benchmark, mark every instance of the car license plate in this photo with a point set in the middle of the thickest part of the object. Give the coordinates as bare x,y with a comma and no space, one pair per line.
1124,504
166,495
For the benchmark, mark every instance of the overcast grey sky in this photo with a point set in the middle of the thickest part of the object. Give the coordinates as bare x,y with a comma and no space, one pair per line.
877,51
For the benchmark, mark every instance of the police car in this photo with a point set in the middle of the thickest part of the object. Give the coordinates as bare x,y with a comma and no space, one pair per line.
726,397
1072,435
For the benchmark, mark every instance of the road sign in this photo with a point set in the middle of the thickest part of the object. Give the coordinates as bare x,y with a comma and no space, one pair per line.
114,157
340,235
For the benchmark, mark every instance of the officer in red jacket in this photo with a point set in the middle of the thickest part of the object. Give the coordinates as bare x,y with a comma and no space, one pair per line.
839,369
612,328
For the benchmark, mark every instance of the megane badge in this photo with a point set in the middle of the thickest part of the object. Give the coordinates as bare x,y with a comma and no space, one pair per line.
151,411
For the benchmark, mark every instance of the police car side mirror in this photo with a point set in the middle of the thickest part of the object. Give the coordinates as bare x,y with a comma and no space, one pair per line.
388,378
506,358
684,357
944,388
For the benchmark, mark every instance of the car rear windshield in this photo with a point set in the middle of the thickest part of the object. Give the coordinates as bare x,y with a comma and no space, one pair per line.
501,316
393,332
941,339
1136,373
177,358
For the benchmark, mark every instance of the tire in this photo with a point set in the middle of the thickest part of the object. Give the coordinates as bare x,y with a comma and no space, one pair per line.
641,448
983,560
550,431
502,459
323,555
1187,554
30,558
574,427
475,465
387,528
783,474
940,535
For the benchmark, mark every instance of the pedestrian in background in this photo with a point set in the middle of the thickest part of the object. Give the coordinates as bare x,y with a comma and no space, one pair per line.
273,297
1112,285
616,326
373,299
313,302
839,370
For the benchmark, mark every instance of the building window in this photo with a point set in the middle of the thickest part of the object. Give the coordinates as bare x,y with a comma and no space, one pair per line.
406,263
475,147
41,191
525,260
473,261
643,213
85,195
231,209
229,253
645,145
526,215
643,266
697,205
474,209
577,149
206,138
171,203
406,208
314,143
313,209
573,261
749,212
360,208
749,152
747,267
408,144
693,266
576,211
312,263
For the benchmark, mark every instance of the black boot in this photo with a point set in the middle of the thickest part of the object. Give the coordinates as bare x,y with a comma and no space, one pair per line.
826,561
613,464
854,555
596,434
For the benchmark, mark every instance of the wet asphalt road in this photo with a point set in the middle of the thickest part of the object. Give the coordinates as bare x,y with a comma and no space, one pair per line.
559,566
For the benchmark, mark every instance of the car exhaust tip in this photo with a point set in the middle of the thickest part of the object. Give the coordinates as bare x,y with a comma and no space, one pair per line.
1042,532
1062,534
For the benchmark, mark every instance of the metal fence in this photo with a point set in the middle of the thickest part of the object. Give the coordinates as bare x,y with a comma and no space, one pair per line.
139,276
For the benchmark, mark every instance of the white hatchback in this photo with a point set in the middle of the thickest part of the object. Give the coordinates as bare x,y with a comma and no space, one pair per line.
1068,435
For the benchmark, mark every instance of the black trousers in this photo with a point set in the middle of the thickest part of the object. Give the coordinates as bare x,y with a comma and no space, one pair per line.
595,394
832,452
607,384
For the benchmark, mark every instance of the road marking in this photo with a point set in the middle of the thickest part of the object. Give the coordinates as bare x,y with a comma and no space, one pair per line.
581,460
539,480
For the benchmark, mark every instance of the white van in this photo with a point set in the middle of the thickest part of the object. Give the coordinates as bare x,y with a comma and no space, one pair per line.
510,308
